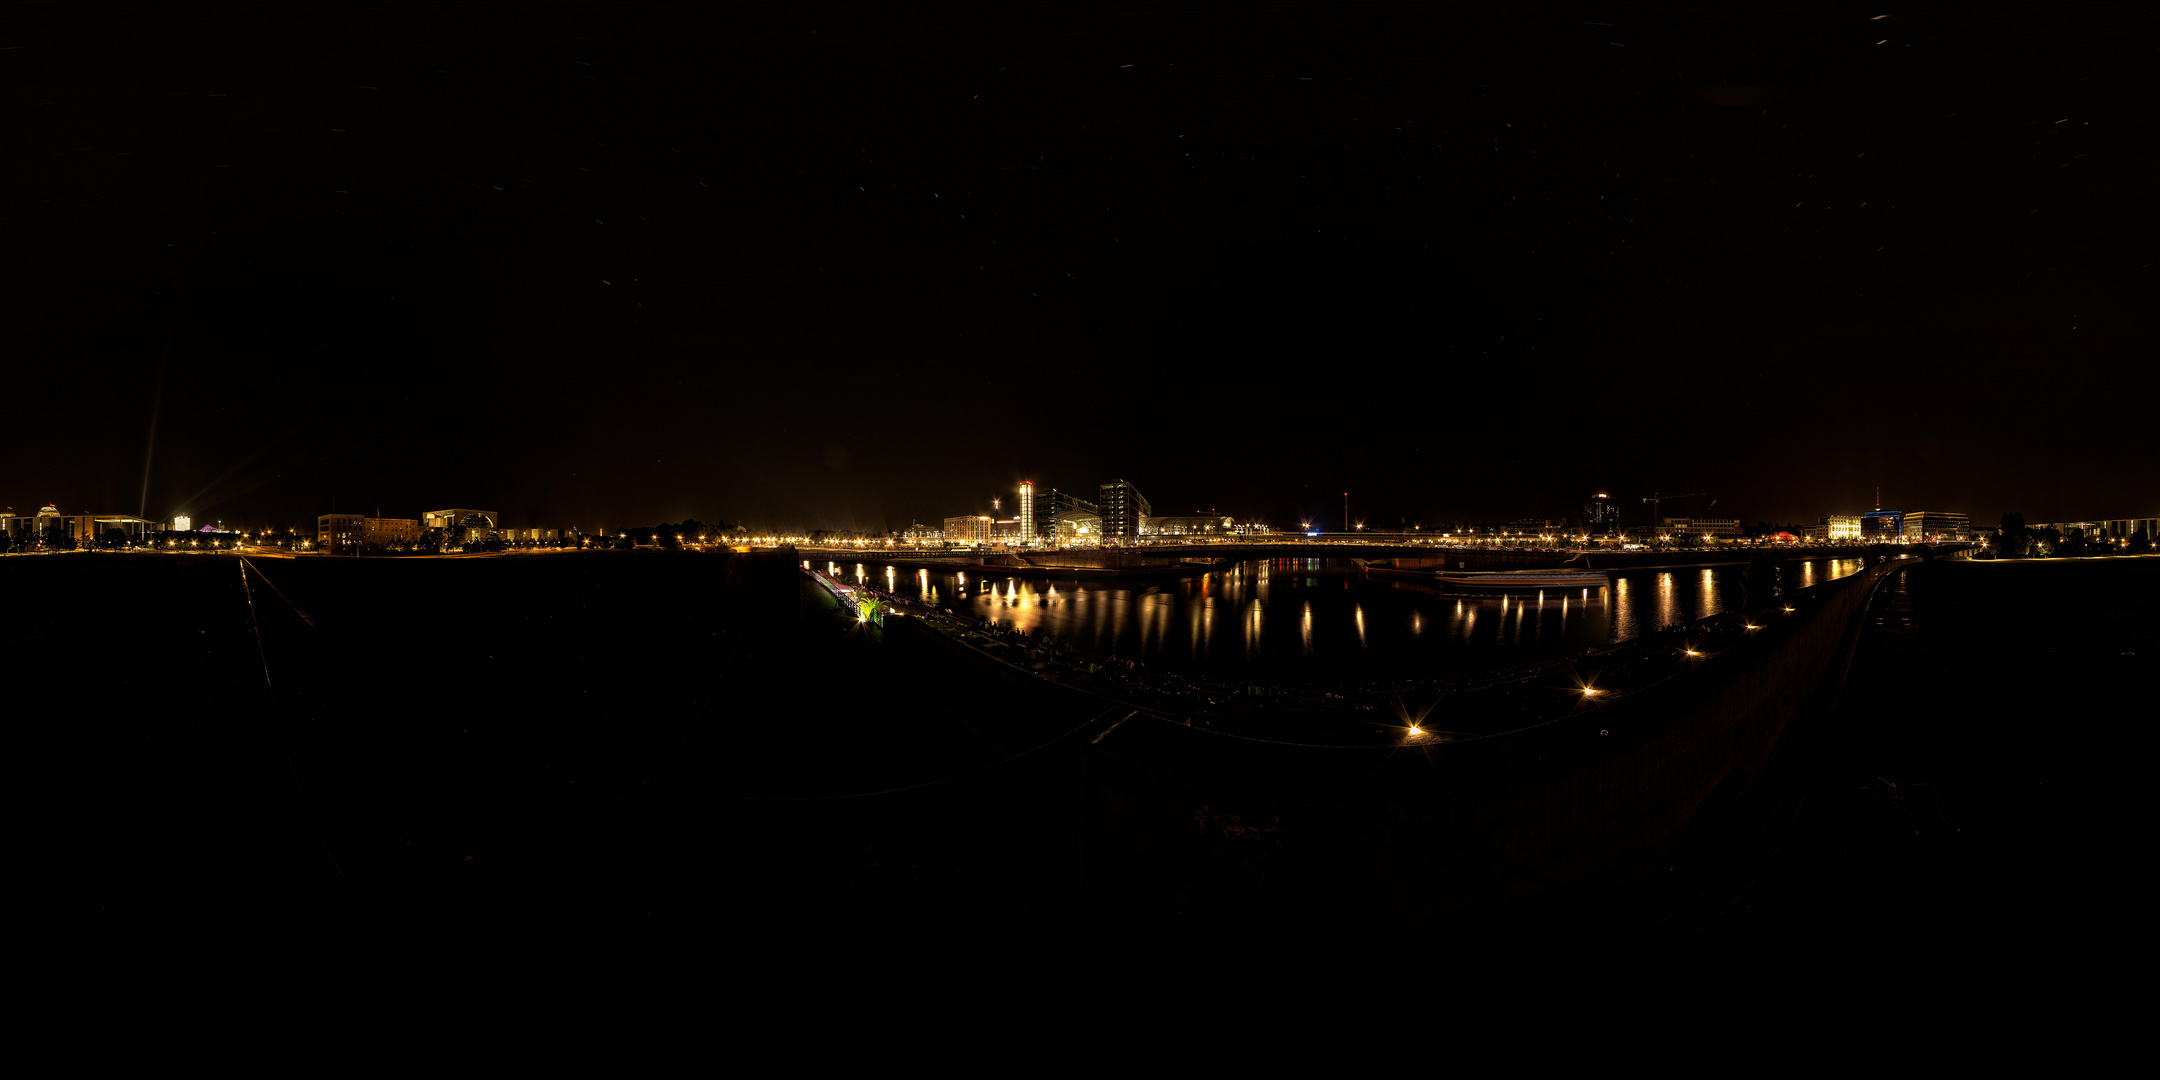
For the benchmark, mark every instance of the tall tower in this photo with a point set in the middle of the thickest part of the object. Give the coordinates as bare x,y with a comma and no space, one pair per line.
1124,511
1027,510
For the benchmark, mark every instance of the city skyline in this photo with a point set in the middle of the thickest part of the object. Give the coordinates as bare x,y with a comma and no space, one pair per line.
1021,499
1772,257
659,480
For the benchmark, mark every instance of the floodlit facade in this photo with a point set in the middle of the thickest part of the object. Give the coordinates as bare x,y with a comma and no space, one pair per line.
16,526
89,529
352,532
1708,528
1199,525
444,519
1082,525
969,529
1930,526
1836,528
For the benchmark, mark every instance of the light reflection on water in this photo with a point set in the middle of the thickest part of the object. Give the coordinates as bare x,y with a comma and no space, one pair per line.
1344,626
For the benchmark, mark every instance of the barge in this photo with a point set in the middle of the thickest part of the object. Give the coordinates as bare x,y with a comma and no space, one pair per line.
1502,581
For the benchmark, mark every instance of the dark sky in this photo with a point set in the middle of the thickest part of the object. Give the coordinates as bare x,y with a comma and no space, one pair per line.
848,265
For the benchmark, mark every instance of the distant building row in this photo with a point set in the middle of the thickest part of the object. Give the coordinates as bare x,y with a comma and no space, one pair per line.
344,533
1888,526
79,529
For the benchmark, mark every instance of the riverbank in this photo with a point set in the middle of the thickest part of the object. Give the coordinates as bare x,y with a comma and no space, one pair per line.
1028,565
1367,713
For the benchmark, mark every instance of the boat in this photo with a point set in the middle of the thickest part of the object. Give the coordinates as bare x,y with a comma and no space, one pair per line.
1522,581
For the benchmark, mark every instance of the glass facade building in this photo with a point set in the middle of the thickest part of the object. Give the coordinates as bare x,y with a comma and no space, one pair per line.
1041,513
1124,511
1936,525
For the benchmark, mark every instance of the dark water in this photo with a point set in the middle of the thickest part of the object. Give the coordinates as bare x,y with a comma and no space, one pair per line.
1320,620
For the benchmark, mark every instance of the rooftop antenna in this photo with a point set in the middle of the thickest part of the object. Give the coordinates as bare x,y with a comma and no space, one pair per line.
1346,511
1878,496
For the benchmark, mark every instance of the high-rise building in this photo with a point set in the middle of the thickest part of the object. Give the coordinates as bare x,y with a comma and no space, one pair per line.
1040,512
1601,517
1124,511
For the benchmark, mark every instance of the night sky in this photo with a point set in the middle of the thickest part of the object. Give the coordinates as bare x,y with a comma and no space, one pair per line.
849,266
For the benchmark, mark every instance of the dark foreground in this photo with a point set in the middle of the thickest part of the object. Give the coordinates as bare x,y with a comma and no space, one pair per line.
1978,791
699,753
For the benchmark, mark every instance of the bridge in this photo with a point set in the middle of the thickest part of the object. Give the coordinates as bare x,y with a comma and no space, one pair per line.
1400,555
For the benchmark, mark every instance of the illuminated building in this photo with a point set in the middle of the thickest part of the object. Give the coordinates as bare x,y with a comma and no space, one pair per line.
83,529
1041,513
1934,525
1124,511
917,533
1708,528
969,529
1837,529
353,532
445,519
1600,517
1200,525
2108,530
1879,525
1536,527
182,523
14,526
1078,525
338,532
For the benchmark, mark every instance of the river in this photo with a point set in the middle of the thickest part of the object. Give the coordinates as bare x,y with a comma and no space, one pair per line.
1322,620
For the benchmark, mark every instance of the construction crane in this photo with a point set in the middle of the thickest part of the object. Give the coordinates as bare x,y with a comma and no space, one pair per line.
1654,496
